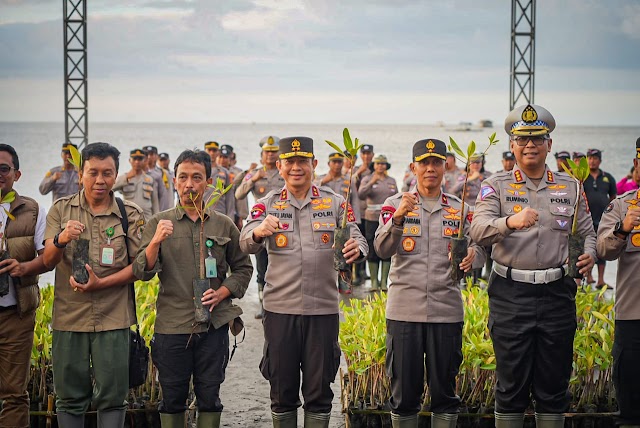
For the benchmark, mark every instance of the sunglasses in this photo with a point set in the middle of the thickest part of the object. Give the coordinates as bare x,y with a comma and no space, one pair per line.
524,140
5,169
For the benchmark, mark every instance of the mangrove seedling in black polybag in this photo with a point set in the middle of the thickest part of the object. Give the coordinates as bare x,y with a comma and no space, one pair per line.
81,246
459,243
579,172
208,272
341,233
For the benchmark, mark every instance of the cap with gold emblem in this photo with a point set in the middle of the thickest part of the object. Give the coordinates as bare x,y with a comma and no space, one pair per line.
270,143
296,146
211,145
66,147
429,147
336,156
137,153
529,120
638,148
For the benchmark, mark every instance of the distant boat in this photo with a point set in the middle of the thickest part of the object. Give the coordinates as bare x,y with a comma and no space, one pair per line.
486,123
464,127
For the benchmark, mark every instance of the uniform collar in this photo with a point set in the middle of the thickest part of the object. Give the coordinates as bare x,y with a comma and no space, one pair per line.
79,200
549,177
313,193
443,200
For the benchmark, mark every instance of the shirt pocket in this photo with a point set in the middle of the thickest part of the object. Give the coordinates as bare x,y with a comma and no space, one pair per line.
280,242
561,218
218,251
409,245
323,232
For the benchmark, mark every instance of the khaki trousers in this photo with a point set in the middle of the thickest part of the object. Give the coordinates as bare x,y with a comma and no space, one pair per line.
16,341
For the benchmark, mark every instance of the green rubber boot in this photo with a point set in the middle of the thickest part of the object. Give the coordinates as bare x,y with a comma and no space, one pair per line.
285,420
509,420
444,420
67,420
316,420
549,420
384,275
208,420
172,420
111,418
398,421
373,272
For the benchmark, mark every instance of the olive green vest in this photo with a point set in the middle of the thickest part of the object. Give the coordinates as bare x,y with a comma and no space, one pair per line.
20,233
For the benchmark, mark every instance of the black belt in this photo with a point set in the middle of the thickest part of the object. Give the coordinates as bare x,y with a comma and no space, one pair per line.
8,308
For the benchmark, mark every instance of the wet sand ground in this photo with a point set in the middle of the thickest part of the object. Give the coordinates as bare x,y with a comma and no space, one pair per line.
245,393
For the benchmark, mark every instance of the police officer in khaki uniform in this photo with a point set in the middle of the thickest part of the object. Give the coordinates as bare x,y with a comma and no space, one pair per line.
159,177
360,172
260,181
91,321
137,186
508,162
526,214
226,159
424,305
474,181
226,204
169,199
296,225
61,180
375,189
619,238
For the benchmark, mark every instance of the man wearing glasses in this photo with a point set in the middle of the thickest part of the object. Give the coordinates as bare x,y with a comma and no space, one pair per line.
61,180
137,186
23,236
526,215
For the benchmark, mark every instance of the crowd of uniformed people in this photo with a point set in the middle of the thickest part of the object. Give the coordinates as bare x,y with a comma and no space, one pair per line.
519,218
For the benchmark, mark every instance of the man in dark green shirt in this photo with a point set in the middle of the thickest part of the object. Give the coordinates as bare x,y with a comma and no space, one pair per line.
171,247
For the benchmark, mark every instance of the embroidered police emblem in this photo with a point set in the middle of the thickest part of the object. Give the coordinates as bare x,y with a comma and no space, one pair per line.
387,213
325,238
257,211
281,240
486,191
635,239
408,244
517,208
609,208
295,145
529,114
430,145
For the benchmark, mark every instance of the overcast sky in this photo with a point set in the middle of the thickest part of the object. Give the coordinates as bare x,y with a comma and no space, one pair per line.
318,61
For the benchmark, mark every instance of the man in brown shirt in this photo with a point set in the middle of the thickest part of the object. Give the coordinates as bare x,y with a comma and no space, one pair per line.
296,225
173,247
526,215
21,263
424,305
91,321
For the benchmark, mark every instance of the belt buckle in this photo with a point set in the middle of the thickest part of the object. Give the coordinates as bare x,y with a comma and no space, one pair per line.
540,276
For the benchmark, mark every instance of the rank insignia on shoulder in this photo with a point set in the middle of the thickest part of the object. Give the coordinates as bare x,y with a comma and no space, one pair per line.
518,175
550,177
386,213
315,192
48,174
486,191
445,201
351,217
257,211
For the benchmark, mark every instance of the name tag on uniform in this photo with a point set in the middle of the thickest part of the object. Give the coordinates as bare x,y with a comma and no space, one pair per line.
211,267
107,255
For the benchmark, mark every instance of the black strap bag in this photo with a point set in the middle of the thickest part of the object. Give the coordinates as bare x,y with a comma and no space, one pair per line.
138,349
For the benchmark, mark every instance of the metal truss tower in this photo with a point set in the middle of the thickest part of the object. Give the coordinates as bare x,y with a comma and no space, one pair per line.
523,52
76,122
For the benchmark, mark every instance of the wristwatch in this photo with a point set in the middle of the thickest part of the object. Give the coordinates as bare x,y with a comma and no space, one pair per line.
56,243
619,230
